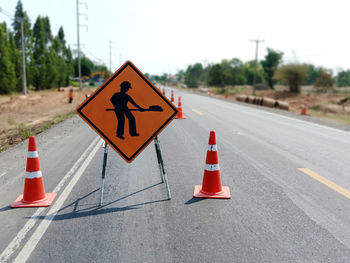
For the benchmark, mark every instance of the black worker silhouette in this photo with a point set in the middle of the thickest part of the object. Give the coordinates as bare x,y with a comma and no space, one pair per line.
120,101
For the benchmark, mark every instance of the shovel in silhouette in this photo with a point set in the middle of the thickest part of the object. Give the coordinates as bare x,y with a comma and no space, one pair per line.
151,108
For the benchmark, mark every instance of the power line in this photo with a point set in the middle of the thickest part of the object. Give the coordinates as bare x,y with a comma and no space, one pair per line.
98,59
112,49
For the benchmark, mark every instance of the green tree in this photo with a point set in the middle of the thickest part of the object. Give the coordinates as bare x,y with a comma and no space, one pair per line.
270,64
312,74
63,59
343,78
324,80
39,54
293,75
20,15
87,66
193,74
45,59
180,75
215,76
52,69
226,72
7,72
66,54
70,63
16,61
237,72
248,69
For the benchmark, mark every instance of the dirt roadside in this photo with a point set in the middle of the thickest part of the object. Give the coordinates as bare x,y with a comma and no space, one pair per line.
22,116
320,105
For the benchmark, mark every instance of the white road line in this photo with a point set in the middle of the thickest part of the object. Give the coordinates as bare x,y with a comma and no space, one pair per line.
198,112
16,242
45,223
257,112
1,175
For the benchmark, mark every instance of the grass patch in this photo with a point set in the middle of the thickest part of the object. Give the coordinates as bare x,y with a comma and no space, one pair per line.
48,124
11,121
61,117
340,118
237,90
316,107
218,90
21,132
43,127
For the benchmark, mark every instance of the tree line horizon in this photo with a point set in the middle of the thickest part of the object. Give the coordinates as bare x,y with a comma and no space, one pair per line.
49,59
269,71
50,63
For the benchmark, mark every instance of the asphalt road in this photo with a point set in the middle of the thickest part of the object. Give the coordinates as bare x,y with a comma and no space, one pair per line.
277,213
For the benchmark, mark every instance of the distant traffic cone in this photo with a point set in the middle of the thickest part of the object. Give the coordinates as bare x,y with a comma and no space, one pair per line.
34,192
305,106
180,114
172,99
163,91
211,186
209,92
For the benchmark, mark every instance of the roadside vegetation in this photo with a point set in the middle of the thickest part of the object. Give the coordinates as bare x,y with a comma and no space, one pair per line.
22,131
48,58
51,66
328,92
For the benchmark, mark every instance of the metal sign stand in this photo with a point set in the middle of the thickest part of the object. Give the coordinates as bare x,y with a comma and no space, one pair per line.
160,162
161,166
103,172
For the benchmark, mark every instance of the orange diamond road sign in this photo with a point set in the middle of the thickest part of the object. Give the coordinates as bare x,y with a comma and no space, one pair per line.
127,111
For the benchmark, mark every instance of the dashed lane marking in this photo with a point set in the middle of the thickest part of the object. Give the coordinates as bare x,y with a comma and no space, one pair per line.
326,182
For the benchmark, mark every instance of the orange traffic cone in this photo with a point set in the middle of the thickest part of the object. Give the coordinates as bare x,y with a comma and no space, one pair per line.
305,106
211,187
34,192
209,92
180,114
172,99
163,91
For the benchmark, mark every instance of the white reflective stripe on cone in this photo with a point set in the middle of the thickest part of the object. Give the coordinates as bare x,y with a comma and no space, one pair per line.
212,147
31,175
212,167
33,154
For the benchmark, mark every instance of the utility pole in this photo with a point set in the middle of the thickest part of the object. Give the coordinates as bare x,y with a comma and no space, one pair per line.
20,20
110,56
78,36
257,41
78,43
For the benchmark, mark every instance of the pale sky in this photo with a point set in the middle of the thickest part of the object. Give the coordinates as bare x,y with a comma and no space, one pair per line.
165,36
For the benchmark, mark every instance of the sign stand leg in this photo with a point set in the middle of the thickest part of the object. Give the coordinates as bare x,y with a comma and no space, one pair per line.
103,172
159,158
161,166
